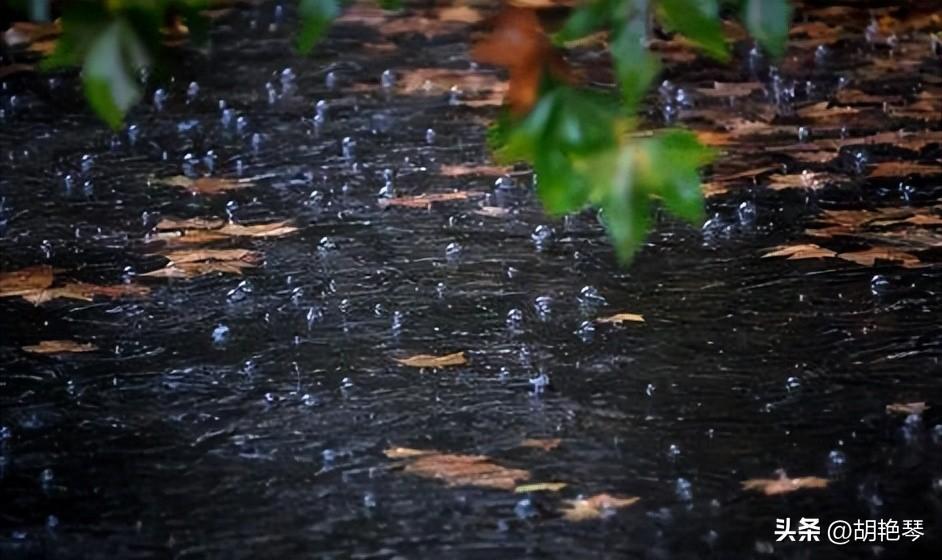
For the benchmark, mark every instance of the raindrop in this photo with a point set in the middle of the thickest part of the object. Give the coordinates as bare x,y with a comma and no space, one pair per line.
540,382
242,124
429,136
649,390
684,489
314,315
792,384
543,306
388,79
369,501
330,80
160,97
836,458
133,134
226,117
906,191
46,477
320,110
348,147
879,285
192,91
256,141
396,321
746,213
504,182
240,292
454,95
525,509
514,319
220,334
542,237
453,251
673,451
803,133
821,54
586,331
87,162
590,297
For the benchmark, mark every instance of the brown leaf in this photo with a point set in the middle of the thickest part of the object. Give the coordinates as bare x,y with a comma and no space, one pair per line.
60,347
198,262
207,185
822,111
870,257
25,280
518,43
406,452
600,505
783,484
857,97
903,168
167,224
185,238
425,200
492,212
546,444
270,229
459,470
540,487
803,180
85,292
731,89
460,13
907,408
621,318
804,251
430,361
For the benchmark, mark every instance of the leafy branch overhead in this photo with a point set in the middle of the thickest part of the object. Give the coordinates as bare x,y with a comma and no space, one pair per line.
581,141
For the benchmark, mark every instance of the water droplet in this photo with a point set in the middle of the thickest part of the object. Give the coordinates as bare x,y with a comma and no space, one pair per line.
879,285
837,458
514,319
543,306
792,383
397,321
369,501
87,162
649,390
330,80
192,91
586,331
590,297
256,141
133,134
803,134
46,477
524,509
240,292
453,251
160,97
504,182
387,79
684,489
746,212
429,136
220,334
906,191
348,147
542,237
540,382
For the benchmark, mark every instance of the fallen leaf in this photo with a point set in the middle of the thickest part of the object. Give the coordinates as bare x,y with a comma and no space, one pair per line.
177,238
783,484
492,212
546,444
621,318
460,13
870,257
600,505
430,361
857,97
907,408
167,224
540,487
25,280
904,168
425,200
85,292
199,262
207,185
803,180
823,111
804,251
60,347
406,452
270,229
813,157
459,470
465,170
731,89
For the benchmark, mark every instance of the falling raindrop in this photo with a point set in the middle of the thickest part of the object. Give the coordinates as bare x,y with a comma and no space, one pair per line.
387,80
160,97
803,134
540,382
586,331
220,334
514,319
792,383
192,91
879,285
348,148
453,251
429,136
330,80
133,134
542,237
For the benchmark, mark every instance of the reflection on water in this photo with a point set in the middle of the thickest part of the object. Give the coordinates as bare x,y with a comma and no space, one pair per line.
231,416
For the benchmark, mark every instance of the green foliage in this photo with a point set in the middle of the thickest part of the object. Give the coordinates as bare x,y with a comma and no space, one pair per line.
580,142
316,17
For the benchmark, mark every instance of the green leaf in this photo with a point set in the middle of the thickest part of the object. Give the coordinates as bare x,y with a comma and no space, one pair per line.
767,21
699,21
585,20
626,212
390,4
672,161
108,72
635,66
316,16
560,188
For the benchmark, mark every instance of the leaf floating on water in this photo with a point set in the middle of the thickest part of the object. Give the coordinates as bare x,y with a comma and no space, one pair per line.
25,280
903,168
406,452
85,292
199,262
621,318
207,185
271,229
167,224
731,89
60,347
540,487
430,361
458,470
823,112
546,444
425,200
492,212
783,484
870,257
459,170
803,251
600,505
803,180
907,408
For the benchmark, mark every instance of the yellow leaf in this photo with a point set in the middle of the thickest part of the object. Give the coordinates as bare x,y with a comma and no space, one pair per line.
621,318
907,408
25,280
459,470
783,484
597,506
540,487
430,361
60,347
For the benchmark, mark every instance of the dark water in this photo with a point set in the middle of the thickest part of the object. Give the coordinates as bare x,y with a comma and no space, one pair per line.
268,442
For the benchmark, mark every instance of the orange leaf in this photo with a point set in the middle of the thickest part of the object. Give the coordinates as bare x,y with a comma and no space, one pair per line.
597,506
25,280
59,347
